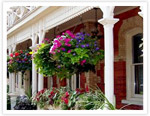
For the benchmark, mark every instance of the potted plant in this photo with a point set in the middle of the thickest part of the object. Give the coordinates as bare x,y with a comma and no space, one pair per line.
19,61
69,54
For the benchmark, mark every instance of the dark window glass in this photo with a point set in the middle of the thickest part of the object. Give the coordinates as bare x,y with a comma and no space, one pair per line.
138,79
138,62
77,80
138,48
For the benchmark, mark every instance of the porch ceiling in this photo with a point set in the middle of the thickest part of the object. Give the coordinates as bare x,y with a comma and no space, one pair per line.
87,16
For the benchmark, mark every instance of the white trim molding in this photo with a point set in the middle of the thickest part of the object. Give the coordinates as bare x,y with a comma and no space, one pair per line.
130,96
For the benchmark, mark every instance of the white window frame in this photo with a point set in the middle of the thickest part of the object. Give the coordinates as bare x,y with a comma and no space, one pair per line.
130,96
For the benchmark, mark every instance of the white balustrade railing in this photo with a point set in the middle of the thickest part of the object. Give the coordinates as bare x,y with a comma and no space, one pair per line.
16,13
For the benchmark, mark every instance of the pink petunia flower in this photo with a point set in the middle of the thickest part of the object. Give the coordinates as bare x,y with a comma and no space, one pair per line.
66,101
82,62
11,55
69,51
87,88
67,94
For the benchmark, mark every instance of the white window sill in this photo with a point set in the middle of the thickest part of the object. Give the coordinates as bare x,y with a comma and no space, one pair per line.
132,102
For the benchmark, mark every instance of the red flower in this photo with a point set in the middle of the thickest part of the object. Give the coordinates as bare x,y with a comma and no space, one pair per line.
66,100
11,55
16,54
25,59
87,88
82,91
28,54
21,51
38,99
51,92
42,91
62,98
10,61
82,62
77,90
67,94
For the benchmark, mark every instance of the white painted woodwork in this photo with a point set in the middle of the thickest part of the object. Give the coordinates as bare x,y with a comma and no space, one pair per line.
108,23
34,79
129,65
40,76
19,80
10,74
40,81
27,81
10,82
13,82
141,12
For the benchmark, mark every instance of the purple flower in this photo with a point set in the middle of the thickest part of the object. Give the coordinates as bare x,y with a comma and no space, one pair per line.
58,66
63,49
97,48
87,45
74,54
79,41
82,38
95,45
77,46
77,34
88,34
83,46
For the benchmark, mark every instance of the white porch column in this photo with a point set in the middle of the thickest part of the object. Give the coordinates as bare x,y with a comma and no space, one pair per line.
141,12
19,80
10,75
13,76
34,71
27,81
40,76
10,82
40,82
34,79
108,22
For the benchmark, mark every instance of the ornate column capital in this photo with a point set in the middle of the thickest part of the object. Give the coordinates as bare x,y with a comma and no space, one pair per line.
106,21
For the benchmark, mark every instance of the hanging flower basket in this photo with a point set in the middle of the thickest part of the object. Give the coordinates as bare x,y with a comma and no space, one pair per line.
19,61
68,54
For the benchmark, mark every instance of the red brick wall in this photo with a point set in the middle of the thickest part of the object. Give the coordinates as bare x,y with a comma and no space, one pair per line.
63,82
119,82
54,81
82,80
45,82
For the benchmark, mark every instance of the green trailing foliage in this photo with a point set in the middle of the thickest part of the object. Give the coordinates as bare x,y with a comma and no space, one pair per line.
67,54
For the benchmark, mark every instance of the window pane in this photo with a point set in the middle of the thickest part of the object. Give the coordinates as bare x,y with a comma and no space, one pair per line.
138,48
77,81
138,79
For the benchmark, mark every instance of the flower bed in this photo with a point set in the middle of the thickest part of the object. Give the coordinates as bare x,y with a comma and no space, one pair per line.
66,99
